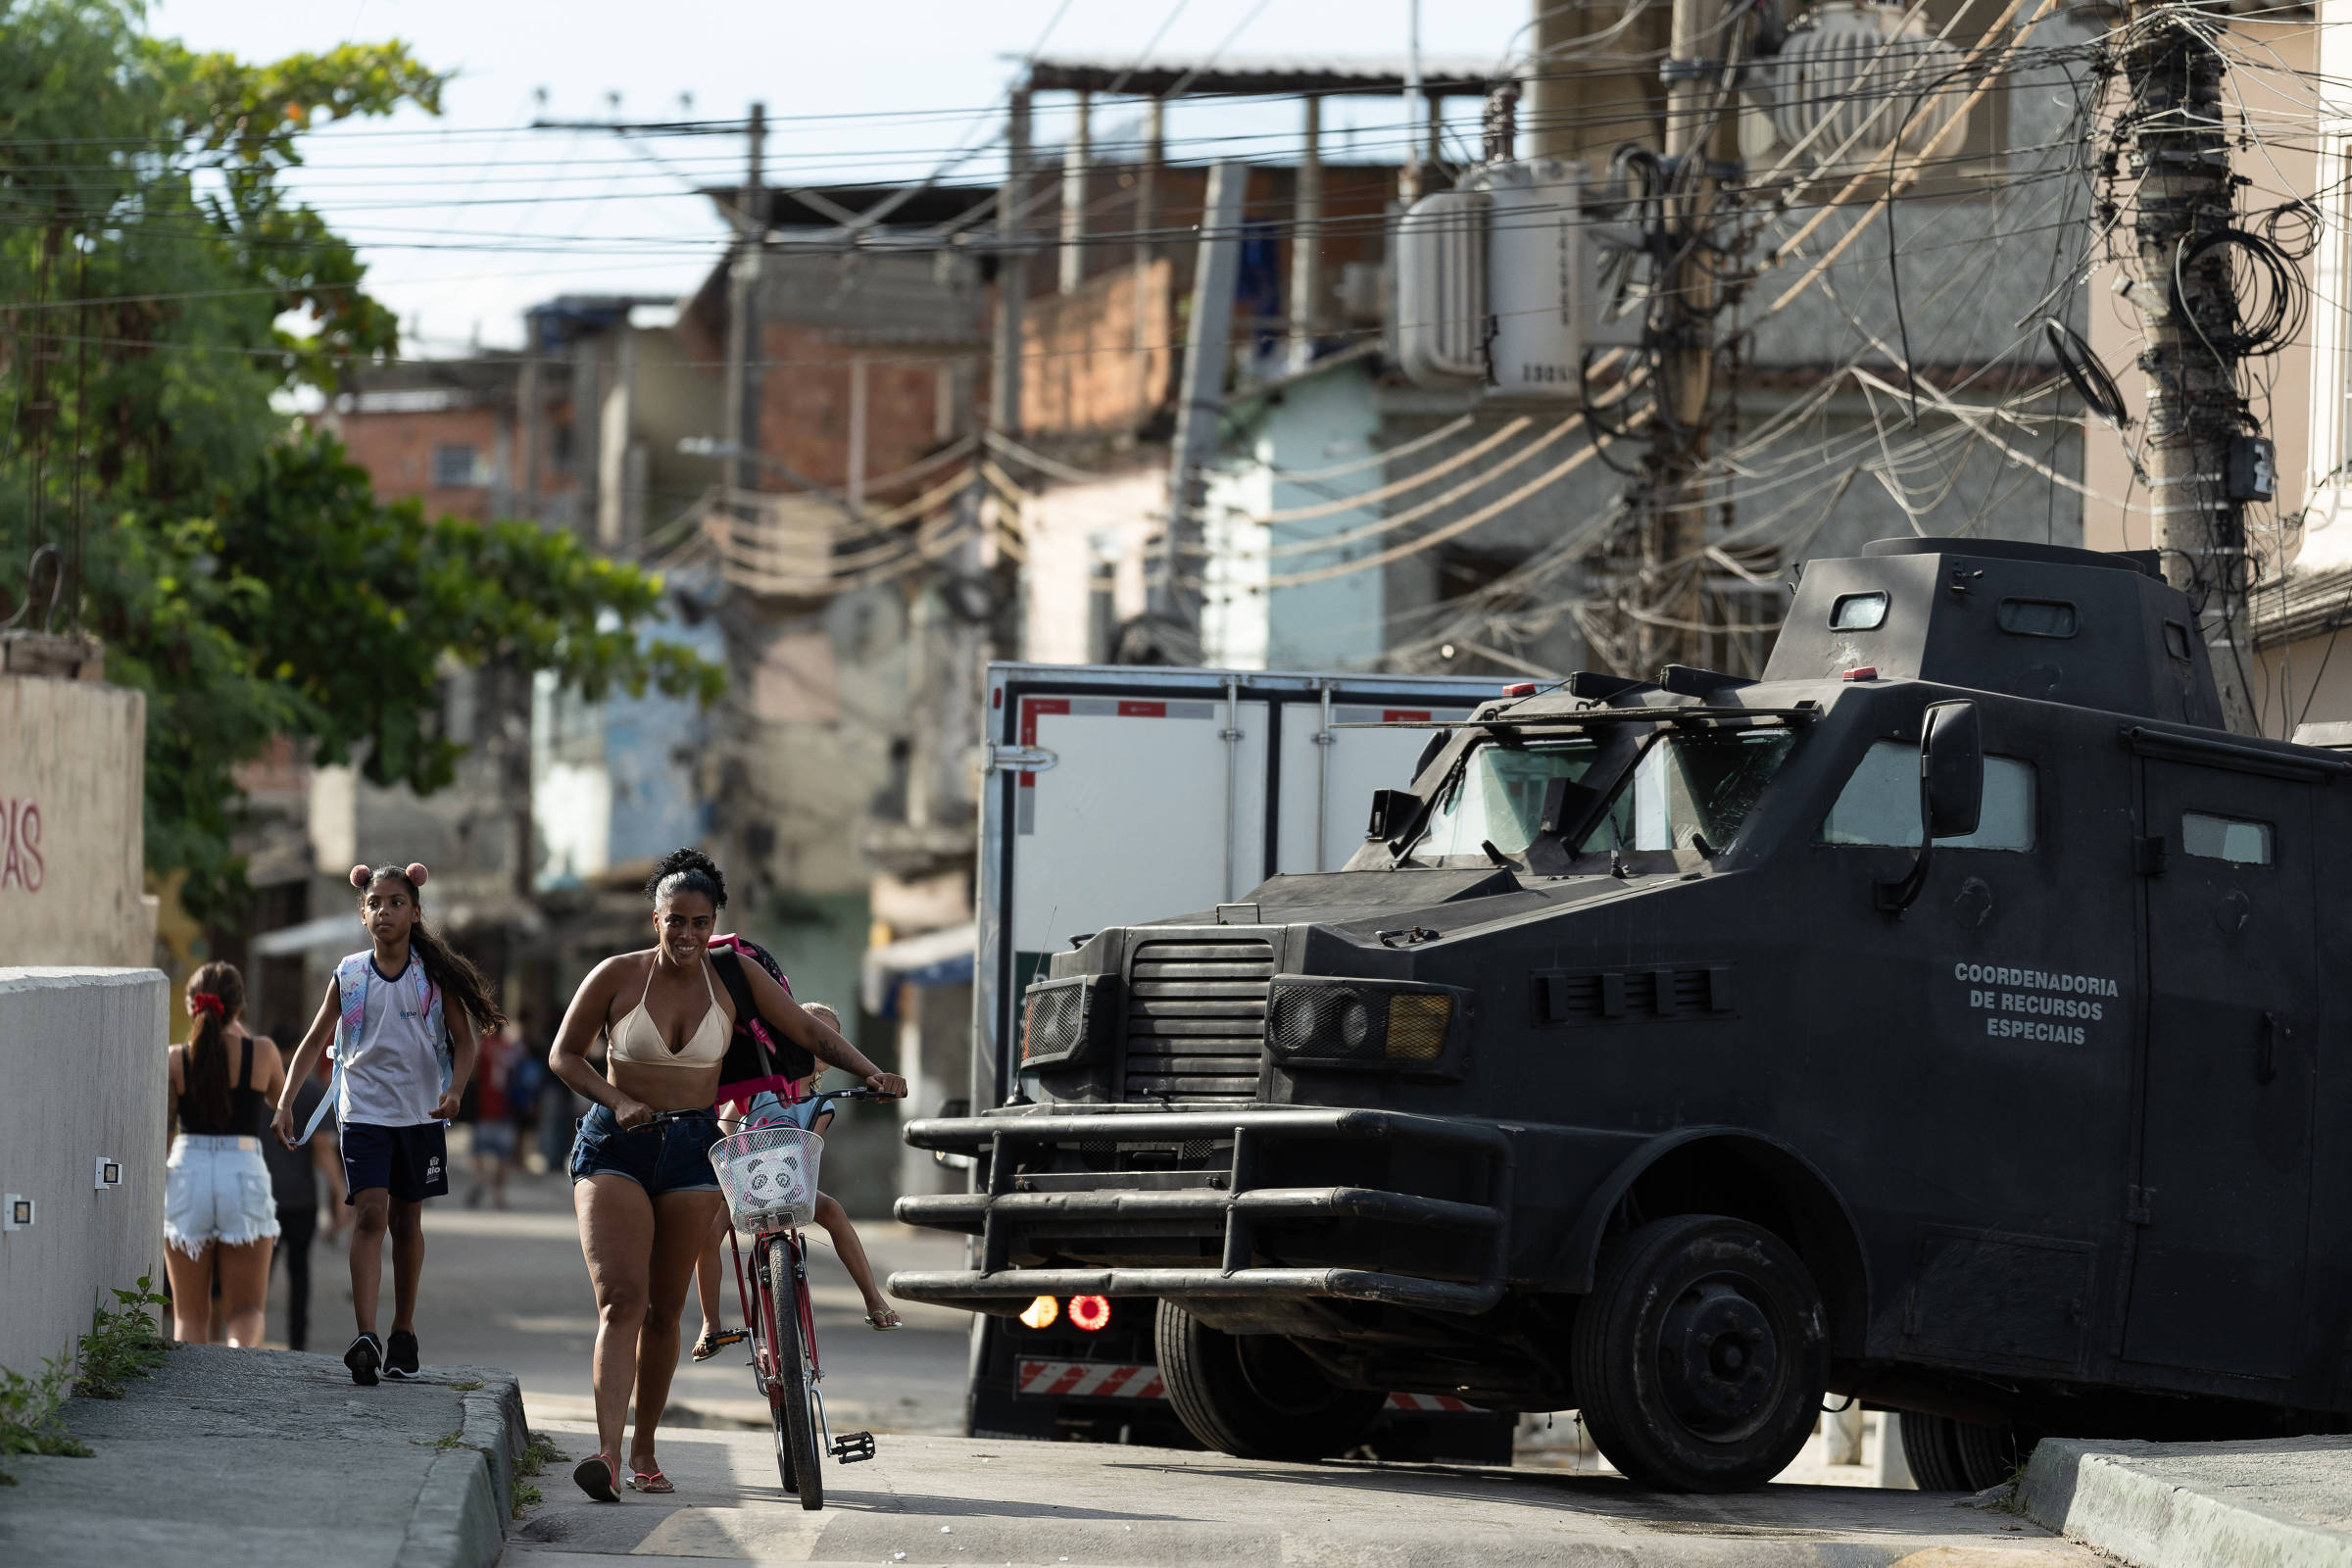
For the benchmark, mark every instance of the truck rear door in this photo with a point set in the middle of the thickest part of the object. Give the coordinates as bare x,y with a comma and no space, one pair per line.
2223,1207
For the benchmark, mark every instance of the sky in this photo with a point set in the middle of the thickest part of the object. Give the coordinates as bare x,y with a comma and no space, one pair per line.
468,218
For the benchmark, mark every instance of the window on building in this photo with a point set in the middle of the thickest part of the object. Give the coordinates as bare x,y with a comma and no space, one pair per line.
2225,838
1879,803
456,465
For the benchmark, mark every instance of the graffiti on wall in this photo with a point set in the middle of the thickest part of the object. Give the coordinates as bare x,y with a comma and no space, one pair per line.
20,864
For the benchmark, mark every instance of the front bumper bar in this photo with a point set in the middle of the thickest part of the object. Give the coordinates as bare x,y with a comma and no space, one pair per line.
1002,1216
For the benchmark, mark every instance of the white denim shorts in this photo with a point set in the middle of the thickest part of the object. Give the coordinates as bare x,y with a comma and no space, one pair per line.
217,1190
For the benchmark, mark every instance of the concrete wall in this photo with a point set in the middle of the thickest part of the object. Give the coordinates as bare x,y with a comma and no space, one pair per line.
73,775
82,1053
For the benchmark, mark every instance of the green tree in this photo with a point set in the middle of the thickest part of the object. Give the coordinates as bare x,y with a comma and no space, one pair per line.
161,295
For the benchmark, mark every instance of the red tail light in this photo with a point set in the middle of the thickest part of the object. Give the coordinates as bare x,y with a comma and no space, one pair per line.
1090,1313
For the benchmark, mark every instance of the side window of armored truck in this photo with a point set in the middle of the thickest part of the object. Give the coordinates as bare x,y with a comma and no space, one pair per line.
1690,790
1879,803
1499,794
2226,838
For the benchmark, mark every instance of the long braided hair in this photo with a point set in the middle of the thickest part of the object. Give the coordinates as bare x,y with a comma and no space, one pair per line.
451,972
216,996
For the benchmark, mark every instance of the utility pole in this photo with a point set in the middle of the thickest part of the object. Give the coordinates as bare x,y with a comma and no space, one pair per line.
1012,271
1202,399
1674,518
1306,243
1146,249
1408,178
2189,307
742,393
1076,158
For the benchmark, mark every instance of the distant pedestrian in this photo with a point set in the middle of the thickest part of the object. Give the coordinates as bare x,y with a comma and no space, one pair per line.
217,1207
294,1178
646,1194
403,1015
493,1122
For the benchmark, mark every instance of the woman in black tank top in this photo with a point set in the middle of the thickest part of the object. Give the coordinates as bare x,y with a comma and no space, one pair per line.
219,1211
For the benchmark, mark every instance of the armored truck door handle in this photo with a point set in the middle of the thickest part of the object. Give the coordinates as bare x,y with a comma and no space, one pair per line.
2266,1048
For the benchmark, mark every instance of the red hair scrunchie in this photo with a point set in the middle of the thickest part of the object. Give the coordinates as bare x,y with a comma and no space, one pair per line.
205,1002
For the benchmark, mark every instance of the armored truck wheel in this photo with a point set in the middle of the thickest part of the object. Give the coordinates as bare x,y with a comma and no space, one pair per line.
1700,1357
1253,1396
1951,1455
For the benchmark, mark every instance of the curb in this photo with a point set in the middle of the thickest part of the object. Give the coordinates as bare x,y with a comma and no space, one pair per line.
2092,1493
461,1513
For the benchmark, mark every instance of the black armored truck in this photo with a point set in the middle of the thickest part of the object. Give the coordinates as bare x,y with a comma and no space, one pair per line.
1940,1021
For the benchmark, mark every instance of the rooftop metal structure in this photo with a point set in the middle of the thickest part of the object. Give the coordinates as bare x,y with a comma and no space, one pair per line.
1274,76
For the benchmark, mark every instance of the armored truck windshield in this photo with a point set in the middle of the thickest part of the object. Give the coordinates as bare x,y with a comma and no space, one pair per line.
1685,790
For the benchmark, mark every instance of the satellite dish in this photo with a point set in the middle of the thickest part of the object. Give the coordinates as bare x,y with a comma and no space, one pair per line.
1870,75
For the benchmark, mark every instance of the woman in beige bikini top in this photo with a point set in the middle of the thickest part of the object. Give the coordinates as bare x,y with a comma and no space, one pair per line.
643,1189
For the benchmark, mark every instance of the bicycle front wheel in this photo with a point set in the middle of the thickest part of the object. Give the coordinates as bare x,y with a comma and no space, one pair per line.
763,1365
795,1429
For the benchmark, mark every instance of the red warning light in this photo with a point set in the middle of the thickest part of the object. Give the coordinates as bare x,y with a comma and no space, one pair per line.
1525,688
1866,673
1090,1313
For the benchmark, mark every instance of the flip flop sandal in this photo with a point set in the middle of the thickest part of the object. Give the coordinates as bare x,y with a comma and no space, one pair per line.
885,1320
594,1476
712,1342
649,1481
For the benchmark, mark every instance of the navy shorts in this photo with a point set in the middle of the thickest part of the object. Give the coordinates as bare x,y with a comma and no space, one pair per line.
411,1162
671,1157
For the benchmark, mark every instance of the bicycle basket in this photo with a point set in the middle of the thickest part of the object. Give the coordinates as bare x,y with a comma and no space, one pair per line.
768,1174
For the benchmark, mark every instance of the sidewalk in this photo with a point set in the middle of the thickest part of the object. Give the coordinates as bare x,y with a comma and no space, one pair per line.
2281,1503
268,1457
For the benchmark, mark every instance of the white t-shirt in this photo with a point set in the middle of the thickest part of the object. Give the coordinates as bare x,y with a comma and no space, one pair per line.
393,1078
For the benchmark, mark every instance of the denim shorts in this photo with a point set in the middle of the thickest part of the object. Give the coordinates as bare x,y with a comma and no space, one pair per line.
672,1158
217,1190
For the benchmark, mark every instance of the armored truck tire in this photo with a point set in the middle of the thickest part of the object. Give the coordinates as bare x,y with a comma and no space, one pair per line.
1946,1455
1700,1357
1255,1395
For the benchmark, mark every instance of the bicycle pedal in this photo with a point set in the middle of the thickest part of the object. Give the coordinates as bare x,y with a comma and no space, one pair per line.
726,1337
853,1447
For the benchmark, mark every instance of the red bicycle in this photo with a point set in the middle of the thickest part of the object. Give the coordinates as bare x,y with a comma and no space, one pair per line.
768,1174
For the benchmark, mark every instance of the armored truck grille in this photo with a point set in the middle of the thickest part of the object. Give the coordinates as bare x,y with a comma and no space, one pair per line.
1197,1019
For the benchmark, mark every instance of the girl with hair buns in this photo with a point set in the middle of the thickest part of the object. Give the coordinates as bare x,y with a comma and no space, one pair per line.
404,1017
643,1187
217,1210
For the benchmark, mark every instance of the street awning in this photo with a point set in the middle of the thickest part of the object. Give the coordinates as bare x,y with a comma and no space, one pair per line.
327,931
933,959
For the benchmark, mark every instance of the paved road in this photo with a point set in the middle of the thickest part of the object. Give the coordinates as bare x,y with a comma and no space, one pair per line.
507,1288
951,1500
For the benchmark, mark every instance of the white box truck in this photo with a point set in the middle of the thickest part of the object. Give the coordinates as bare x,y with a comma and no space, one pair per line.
1119,794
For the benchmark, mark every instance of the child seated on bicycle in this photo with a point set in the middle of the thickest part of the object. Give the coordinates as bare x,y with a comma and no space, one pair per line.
815,1115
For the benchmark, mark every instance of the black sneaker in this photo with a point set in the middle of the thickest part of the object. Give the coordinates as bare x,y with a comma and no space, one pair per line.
401,1360
365,1354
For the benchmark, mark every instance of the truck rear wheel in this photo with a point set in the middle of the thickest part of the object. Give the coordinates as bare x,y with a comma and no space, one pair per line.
1701,1355
1946,1455
1255,1395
